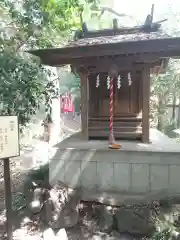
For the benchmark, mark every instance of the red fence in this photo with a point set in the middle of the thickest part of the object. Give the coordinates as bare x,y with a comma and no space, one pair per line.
67,104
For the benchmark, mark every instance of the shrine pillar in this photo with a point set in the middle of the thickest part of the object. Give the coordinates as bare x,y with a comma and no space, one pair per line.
84,103
145,103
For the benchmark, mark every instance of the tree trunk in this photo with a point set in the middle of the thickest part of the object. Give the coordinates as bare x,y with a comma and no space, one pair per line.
47,131
178,121
174,108
161,112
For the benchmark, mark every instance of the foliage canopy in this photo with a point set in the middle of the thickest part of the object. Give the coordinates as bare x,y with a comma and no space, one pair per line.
32,24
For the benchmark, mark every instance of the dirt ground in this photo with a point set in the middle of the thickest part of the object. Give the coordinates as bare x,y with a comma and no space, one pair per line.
20,167
29,227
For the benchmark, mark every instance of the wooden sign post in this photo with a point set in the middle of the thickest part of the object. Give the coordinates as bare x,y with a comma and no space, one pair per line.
9,147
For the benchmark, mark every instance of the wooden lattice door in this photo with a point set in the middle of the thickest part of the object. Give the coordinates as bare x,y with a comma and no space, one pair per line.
127,98
98,96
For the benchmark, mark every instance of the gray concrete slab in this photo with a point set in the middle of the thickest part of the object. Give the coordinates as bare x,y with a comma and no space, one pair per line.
159,143
136,169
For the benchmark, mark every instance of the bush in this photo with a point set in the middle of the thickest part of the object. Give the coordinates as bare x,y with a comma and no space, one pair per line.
169,127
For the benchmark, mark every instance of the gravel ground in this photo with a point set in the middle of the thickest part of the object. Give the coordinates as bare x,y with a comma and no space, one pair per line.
17,180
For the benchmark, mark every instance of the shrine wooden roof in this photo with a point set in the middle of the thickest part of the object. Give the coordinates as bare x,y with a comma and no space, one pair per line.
138,41
123,45
123,38
111,43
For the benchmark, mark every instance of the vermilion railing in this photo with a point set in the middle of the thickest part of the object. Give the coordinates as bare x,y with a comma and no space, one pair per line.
67,104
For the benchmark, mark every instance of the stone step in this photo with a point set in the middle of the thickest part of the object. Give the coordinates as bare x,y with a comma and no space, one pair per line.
105,124
118,135
117,129
119,119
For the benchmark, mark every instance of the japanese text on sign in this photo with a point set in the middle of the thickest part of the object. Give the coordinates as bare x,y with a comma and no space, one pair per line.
9,137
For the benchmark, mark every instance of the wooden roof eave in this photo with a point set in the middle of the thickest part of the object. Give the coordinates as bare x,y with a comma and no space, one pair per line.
56,60
169,47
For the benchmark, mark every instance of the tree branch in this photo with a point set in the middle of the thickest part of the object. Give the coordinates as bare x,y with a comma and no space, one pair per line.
108,9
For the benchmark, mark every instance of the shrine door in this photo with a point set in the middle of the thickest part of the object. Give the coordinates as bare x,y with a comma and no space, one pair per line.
127,99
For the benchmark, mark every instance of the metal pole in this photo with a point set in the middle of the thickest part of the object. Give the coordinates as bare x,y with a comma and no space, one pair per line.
8,199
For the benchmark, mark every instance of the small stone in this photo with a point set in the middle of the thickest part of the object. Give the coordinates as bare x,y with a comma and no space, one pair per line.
26,220
112,238
135,220
115,234
119,236
47,211
35,237
49,234
37,202
105,219
174,234
71,217
37,183
98,236
62,235
178,237
66,217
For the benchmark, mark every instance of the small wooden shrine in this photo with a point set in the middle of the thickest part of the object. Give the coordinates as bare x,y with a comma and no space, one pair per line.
114,66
